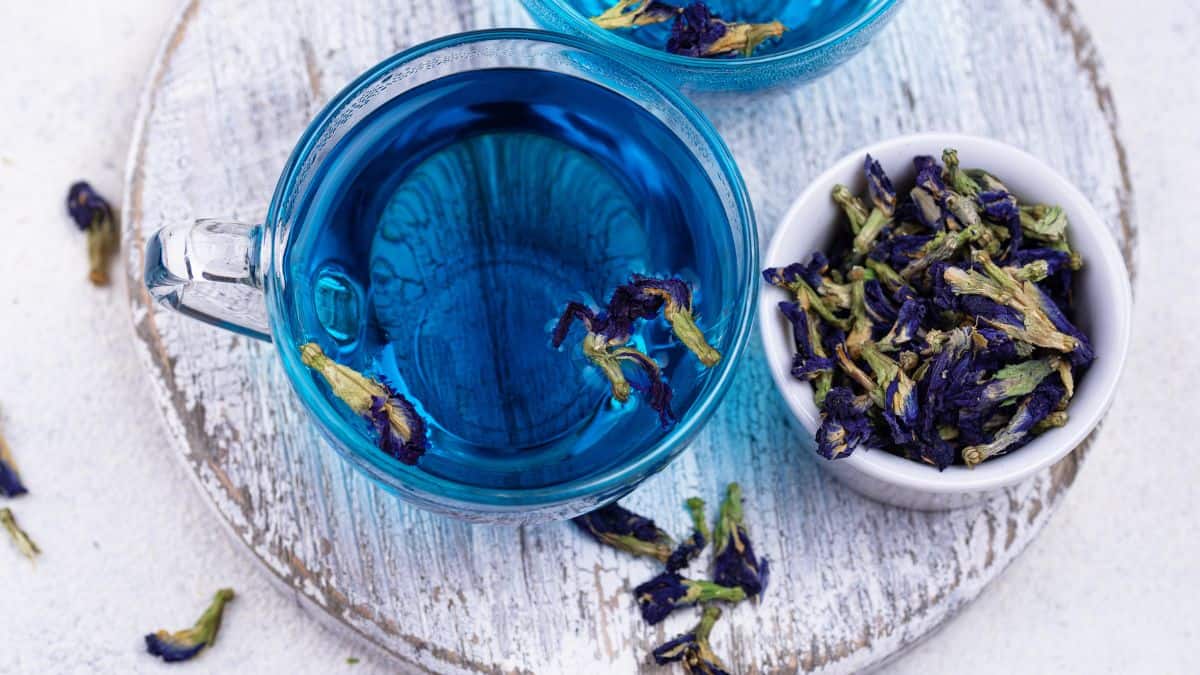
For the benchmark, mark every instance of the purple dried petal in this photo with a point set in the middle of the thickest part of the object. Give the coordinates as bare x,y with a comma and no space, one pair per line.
879,186
668,591
1001,207
614,525
734,561
879,307
573,311
844,424
86,207
10,480
656,392
695,31
407,451
692,649
806,363
1083,353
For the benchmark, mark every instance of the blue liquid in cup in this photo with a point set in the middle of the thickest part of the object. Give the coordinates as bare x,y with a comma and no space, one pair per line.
448,229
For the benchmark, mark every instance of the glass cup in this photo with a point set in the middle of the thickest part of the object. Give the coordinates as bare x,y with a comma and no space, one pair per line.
233,275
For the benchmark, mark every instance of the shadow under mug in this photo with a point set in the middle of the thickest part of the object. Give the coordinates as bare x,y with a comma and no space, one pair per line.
228,274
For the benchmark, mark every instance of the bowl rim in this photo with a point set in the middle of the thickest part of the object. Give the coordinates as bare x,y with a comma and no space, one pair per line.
593,32
895,470
448,496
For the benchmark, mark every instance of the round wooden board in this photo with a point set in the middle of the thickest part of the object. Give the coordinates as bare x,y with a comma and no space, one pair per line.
854,582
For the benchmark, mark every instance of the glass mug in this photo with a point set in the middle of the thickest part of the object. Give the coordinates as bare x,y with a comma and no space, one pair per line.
430,226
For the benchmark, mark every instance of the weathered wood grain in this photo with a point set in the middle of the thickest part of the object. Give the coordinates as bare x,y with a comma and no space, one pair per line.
854,582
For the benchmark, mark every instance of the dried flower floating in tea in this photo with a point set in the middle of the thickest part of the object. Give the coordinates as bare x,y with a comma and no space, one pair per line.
939,326
696,30
10,480
631,13
20,539
185,644
93,215
610,330
400,431
692,648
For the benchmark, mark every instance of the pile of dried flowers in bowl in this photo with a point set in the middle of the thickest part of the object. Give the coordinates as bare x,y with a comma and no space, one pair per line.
938,326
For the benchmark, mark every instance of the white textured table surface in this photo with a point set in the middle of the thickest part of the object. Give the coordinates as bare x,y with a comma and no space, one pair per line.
130,545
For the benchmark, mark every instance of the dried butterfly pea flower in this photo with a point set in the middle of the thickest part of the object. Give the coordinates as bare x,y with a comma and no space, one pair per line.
856,210
861,326
879,307
614,525
899,394
400,431
791,279
95,217
602,346
956,178
690,548
632,13
810,358
10,479
700,33
185,644
909,320
1032,410
1044,223
19,537
883,198
1017,380
844,423
677,308
669,591
734,561
692,649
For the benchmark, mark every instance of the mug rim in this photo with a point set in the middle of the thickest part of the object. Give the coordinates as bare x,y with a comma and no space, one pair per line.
450,496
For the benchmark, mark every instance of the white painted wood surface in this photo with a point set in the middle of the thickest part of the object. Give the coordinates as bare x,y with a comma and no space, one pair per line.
854,582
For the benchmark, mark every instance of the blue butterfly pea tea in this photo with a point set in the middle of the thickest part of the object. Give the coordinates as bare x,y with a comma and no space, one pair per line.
449,231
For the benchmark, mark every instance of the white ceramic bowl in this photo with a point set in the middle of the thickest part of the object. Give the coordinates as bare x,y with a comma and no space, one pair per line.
1103,306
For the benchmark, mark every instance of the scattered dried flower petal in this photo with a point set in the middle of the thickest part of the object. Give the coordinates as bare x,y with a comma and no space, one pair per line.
690,548
186,644
614,525
10,479
669,591
20,539
734,561
94,216
692,649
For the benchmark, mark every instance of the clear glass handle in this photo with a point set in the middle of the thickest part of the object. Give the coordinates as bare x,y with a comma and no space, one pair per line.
209,270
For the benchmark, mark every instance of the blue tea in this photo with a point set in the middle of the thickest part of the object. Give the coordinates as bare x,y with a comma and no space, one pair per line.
446,233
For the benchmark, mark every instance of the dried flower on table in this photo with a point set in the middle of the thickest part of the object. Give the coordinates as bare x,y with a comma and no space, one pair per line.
690,548
96,218
20,539
400,431
734,561
692,648
185,644
614,525
10,480
669,591
953,342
